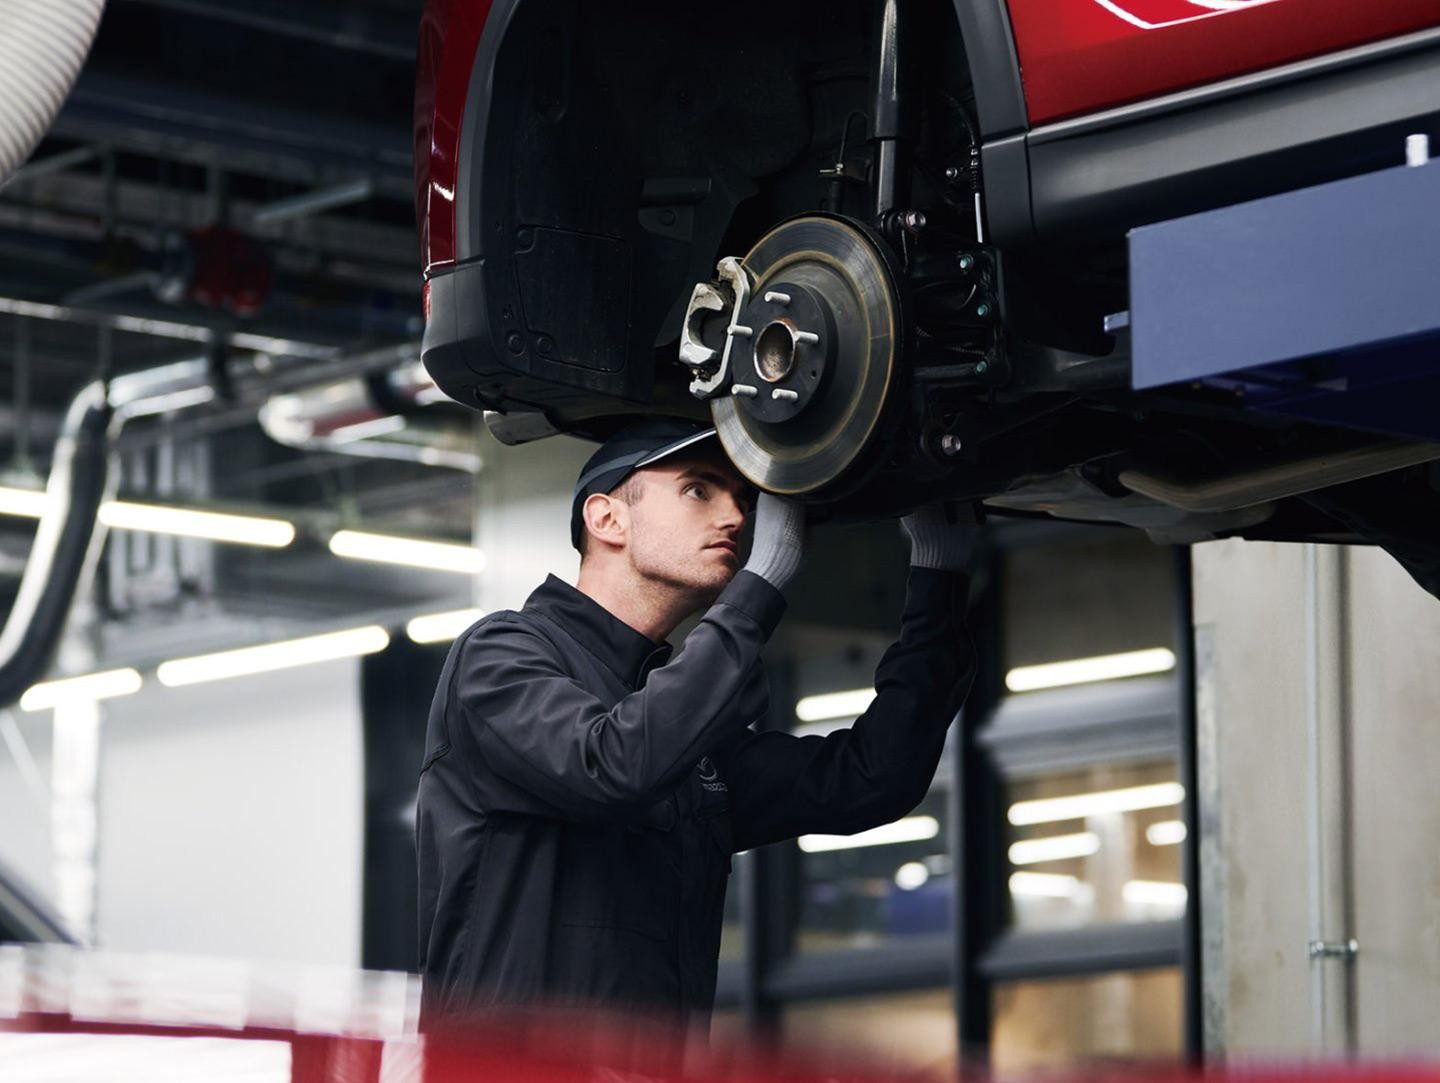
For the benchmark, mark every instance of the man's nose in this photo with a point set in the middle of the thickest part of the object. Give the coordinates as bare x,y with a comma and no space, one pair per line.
733,514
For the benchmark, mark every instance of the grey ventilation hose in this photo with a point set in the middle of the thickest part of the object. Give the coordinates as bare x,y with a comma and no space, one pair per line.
69,536
66,538
43,44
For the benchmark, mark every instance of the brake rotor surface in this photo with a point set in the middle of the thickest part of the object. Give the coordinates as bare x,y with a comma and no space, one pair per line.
811,380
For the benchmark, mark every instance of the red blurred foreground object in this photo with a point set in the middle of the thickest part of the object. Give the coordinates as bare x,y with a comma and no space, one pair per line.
71,1015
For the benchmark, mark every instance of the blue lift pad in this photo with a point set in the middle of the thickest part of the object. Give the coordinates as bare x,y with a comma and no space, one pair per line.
1321,304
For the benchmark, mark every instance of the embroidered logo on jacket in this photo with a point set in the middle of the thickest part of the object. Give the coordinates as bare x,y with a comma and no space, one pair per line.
710,778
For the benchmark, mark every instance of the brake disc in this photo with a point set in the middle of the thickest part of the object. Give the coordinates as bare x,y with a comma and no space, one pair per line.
813,360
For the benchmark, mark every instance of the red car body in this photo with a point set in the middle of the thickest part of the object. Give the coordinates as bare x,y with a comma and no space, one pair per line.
449,35
1081,56
1076,57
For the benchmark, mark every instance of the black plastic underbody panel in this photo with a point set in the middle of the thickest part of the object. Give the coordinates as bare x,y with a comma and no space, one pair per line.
1323,120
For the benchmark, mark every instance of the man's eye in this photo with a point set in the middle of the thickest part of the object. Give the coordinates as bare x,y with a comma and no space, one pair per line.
697,489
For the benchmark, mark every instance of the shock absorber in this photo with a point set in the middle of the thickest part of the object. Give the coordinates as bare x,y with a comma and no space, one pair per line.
888,110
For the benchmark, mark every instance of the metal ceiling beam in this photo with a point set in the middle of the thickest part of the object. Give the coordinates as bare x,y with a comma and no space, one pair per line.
385,252
54,163
166,325
320,200
365,32
152,117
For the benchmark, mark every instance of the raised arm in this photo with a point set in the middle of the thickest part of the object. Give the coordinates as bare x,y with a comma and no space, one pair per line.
881,767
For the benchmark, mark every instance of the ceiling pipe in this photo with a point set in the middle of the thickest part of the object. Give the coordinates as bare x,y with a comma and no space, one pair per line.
380,417
69,535
54,163
177,328
314,202
1278,479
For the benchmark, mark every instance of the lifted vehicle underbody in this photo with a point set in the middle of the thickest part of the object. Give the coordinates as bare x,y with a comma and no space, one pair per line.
808,223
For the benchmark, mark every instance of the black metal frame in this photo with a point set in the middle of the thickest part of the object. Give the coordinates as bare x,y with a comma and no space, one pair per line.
977,839
1190,956
979,951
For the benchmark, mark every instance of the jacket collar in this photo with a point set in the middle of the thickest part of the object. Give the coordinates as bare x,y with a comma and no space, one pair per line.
623,650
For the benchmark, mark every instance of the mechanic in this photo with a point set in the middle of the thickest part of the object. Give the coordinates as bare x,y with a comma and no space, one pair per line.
582,793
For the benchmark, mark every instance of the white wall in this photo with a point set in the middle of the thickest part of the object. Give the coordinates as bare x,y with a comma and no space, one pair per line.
24,809
231,818
1362,653
523,525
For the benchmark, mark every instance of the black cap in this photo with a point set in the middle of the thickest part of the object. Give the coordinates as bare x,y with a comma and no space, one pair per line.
634,446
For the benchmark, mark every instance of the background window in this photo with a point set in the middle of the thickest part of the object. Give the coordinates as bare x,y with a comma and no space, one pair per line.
1095,846
1058,1023
859,891
899,1032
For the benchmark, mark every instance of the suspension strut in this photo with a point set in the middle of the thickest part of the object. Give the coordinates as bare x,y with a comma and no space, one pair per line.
889,111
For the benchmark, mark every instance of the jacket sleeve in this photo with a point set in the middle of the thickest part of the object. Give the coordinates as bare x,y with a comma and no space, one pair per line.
881,767
547,746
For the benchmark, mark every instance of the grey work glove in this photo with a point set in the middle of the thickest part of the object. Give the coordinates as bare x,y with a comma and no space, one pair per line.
779,540
941,536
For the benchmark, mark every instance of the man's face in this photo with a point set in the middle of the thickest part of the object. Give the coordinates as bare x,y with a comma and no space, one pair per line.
685,526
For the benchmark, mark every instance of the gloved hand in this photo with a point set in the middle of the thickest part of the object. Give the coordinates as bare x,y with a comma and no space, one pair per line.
942,536
779,540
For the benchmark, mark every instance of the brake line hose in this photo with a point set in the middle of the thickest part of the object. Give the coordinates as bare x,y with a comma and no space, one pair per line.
43,44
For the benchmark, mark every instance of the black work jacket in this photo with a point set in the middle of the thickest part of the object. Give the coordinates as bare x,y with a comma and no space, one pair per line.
581,793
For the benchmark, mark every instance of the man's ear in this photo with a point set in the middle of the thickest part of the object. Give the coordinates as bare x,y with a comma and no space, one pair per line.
606,518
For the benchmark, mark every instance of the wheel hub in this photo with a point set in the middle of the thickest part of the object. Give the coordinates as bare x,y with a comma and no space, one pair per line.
807,376
787,353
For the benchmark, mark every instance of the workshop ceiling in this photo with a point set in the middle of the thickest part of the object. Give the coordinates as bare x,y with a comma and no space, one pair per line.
232,181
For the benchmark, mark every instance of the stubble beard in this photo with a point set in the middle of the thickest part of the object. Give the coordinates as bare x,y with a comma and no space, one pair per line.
679,581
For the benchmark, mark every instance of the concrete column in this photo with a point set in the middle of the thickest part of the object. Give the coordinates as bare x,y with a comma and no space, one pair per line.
1318,747
1395,822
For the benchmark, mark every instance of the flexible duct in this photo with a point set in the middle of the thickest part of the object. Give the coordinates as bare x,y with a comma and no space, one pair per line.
63,543
69,537
43,44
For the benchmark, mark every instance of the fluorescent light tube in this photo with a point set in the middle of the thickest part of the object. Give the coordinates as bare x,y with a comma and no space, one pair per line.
161,519
1153,893
834,705
1166,833
439,627
1054,848
191,523
283,655
365,430
25,503
414,552
93,686
1054,809
1044,885
1105,667
910,829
